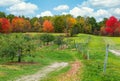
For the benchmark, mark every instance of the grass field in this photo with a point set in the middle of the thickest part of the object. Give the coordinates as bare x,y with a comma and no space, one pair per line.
92,69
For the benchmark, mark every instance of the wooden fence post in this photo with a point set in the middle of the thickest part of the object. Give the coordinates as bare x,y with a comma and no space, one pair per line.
88,56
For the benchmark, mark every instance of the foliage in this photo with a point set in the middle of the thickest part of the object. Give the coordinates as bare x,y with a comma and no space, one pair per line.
47,38
59,24
63,24
47,26
20,25
113,26
75,29
4,25
10,17
37,26
59,40
15,45
2,15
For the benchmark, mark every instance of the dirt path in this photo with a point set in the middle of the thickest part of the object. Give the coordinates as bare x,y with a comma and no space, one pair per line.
113,47
73,73
42,73
116,52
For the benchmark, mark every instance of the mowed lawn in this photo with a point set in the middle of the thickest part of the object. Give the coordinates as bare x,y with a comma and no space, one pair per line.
92,69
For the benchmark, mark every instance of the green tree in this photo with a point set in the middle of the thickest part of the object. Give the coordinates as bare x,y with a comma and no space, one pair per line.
32,21
75,29
37,26
92,21
2,15
59,24
81,22
10,17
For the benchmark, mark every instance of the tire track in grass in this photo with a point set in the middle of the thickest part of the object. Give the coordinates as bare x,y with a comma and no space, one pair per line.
113,49
42,73
73,73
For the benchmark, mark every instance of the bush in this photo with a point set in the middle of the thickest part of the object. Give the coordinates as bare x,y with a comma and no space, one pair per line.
59,40
75,30
47,38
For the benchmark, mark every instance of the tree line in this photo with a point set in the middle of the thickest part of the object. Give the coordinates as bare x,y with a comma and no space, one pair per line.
59,24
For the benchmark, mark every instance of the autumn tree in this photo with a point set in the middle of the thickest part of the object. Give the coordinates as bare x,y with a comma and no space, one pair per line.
32,21
111,25
37,26
70,21
47,26
27,26
4,25
20,25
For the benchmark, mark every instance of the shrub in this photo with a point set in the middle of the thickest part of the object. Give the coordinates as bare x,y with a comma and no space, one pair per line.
75,30
59,40
47,38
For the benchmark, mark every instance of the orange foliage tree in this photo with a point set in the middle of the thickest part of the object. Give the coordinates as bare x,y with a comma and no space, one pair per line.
4,25
20,25
71,21
47,26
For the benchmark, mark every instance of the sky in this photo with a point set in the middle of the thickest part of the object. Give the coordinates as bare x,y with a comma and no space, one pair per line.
38,8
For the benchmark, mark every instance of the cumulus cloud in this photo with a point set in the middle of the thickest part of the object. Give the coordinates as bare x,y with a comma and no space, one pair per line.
4,3
64,13
83,11
115,11
86,11
61,8
45,13
100,14
101,3
22,8
97,8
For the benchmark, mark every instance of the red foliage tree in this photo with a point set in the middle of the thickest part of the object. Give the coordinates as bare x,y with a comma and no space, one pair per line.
111,21
47,26
112,26
4,25
117,29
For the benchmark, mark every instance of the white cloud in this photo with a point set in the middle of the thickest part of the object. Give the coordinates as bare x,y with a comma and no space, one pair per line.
115,11
45,13
97,8
83,11
100,14
64,13
86,11
22,8
4,3
61,7
101,3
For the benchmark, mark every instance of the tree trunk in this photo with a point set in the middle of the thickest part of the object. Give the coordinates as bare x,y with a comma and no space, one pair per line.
19,55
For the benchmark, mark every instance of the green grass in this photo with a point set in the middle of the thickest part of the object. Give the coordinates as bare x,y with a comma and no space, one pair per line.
92,69
43,57
53,76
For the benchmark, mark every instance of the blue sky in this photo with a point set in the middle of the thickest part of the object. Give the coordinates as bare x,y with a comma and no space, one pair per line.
31,8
